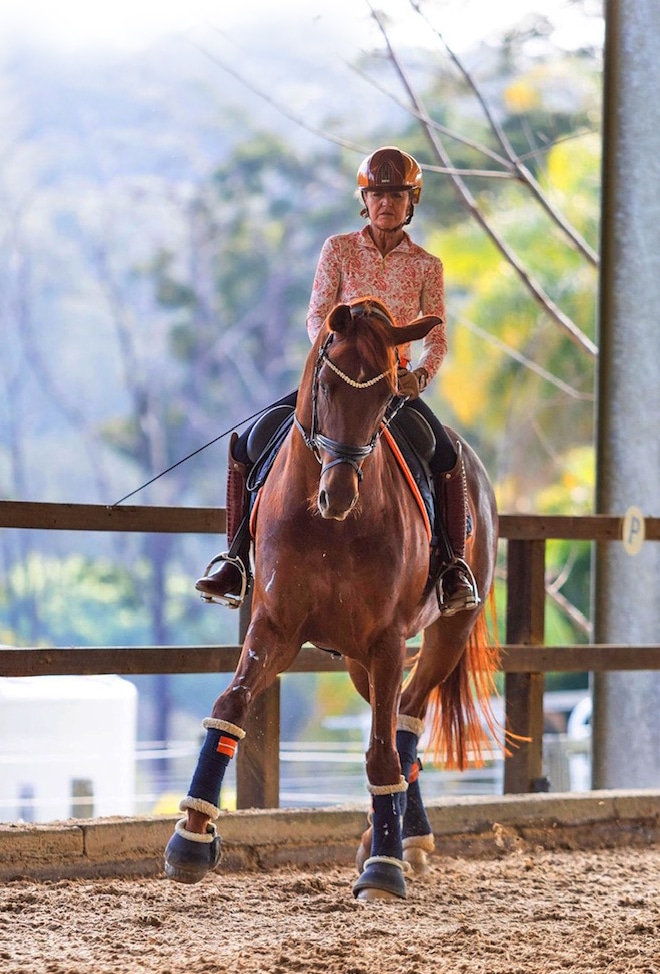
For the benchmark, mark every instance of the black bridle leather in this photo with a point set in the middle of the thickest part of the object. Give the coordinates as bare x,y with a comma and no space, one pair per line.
315,440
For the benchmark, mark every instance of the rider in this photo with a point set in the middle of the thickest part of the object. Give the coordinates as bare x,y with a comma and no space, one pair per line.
382,261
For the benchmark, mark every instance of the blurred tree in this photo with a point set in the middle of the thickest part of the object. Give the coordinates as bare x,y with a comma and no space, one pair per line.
150,311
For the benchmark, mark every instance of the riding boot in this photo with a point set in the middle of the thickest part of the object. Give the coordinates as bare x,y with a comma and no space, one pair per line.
457,588
226,576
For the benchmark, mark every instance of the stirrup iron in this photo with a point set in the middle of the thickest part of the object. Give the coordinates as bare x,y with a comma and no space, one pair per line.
469,603
230,601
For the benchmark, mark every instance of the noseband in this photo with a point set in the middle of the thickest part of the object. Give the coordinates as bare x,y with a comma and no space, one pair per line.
316,441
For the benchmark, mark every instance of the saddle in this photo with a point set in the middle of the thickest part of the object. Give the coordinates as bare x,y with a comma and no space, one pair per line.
265,439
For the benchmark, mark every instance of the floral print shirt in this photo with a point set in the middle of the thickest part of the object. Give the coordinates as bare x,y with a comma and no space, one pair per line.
409,281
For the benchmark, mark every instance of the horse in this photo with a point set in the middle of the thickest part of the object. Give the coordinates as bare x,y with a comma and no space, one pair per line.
341,560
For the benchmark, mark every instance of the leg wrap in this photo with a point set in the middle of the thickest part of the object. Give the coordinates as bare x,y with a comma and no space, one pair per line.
217,750
415,819
386,821
412,724
406,745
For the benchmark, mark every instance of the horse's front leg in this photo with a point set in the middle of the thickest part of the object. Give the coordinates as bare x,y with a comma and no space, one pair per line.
195,848
382,871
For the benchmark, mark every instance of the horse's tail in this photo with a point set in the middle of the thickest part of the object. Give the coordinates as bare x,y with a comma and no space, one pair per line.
463,725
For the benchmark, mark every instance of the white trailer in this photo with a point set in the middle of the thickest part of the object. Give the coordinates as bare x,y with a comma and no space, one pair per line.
67,747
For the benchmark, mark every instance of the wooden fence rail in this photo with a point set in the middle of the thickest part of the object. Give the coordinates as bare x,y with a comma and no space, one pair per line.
525,658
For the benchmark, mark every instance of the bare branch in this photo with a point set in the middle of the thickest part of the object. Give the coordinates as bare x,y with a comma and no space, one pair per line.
450,133
566,324
297,119
522,171
346,144
546,147
554,593
527,363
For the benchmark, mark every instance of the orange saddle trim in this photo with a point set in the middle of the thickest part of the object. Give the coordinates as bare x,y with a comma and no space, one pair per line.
410,480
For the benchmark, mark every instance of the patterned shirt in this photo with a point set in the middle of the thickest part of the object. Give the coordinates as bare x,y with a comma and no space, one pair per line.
409,281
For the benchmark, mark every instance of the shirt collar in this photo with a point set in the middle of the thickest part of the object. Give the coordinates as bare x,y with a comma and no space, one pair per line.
367,241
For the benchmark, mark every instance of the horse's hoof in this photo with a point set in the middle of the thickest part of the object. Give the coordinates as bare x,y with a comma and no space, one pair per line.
189,856
364,849
372,895
417,860
381,878
415,852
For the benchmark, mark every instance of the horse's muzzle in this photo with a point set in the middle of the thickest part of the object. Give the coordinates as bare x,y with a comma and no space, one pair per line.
332,512
338,495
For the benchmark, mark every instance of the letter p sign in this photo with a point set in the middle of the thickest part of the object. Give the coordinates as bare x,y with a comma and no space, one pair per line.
632,531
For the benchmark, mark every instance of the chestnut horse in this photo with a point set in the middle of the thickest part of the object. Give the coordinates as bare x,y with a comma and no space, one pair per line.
342,561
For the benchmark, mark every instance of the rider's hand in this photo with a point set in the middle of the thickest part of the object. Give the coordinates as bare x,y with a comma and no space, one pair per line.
410,384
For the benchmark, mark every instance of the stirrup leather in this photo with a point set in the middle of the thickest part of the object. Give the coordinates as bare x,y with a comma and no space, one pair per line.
231,601
470,603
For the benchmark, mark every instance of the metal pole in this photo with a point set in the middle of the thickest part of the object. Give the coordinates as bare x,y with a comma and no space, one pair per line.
626,721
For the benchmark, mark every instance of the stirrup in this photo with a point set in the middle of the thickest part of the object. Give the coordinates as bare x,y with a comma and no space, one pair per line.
231,601
470,601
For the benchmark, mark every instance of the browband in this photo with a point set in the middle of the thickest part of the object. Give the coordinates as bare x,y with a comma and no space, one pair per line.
367,308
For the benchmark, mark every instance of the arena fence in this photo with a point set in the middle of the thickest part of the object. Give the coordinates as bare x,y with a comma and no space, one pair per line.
525,657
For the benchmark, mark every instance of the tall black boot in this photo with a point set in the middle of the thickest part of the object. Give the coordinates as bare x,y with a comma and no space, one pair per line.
457,587
227,574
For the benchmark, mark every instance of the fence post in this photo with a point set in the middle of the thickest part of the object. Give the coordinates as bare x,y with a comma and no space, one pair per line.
525,616
258,754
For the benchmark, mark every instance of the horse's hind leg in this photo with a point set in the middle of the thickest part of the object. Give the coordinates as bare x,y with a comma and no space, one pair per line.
194,849
417,834
443,645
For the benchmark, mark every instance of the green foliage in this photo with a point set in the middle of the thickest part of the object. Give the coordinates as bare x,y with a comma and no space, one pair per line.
81,601
77,602
527,420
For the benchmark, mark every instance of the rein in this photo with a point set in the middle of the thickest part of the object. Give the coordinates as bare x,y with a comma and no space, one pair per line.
315,441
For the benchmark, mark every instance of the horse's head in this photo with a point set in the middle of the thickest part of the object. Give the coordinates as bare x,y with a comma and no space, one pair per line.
352,373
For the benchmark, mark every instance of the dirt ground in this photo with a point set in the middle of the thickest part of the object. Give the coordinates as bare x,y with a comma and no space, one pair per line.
528,911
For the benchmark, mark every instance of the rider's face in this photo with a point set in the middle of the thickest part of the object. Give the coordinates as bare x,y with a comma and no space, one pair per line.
387,209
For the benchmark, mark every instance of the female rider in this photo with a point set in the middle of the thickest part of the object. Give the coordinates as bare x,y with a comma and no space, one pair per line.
382,261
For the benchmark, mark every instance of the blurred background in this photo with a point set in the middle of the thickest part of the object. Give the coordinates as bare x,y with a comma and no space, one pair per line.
168,173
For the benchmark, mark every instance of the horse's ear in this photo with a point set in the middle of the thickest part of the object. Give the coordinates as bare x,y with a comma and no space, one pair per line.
415,330
340,319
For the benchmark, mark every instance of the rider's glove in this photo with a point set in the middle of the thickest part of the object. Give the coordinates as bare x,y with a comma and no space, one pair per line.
410,384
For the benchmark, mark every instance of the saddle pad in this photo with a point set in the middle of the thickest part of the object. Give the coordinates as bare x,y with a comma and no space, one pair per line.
410,480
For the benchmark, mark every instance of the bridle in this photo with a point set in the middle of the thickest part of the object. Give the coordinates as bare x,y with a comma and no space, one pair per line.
316,441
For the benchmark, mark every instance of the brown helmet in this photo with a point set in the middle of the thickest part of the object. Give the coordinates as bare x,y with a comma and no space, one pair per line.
391,169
